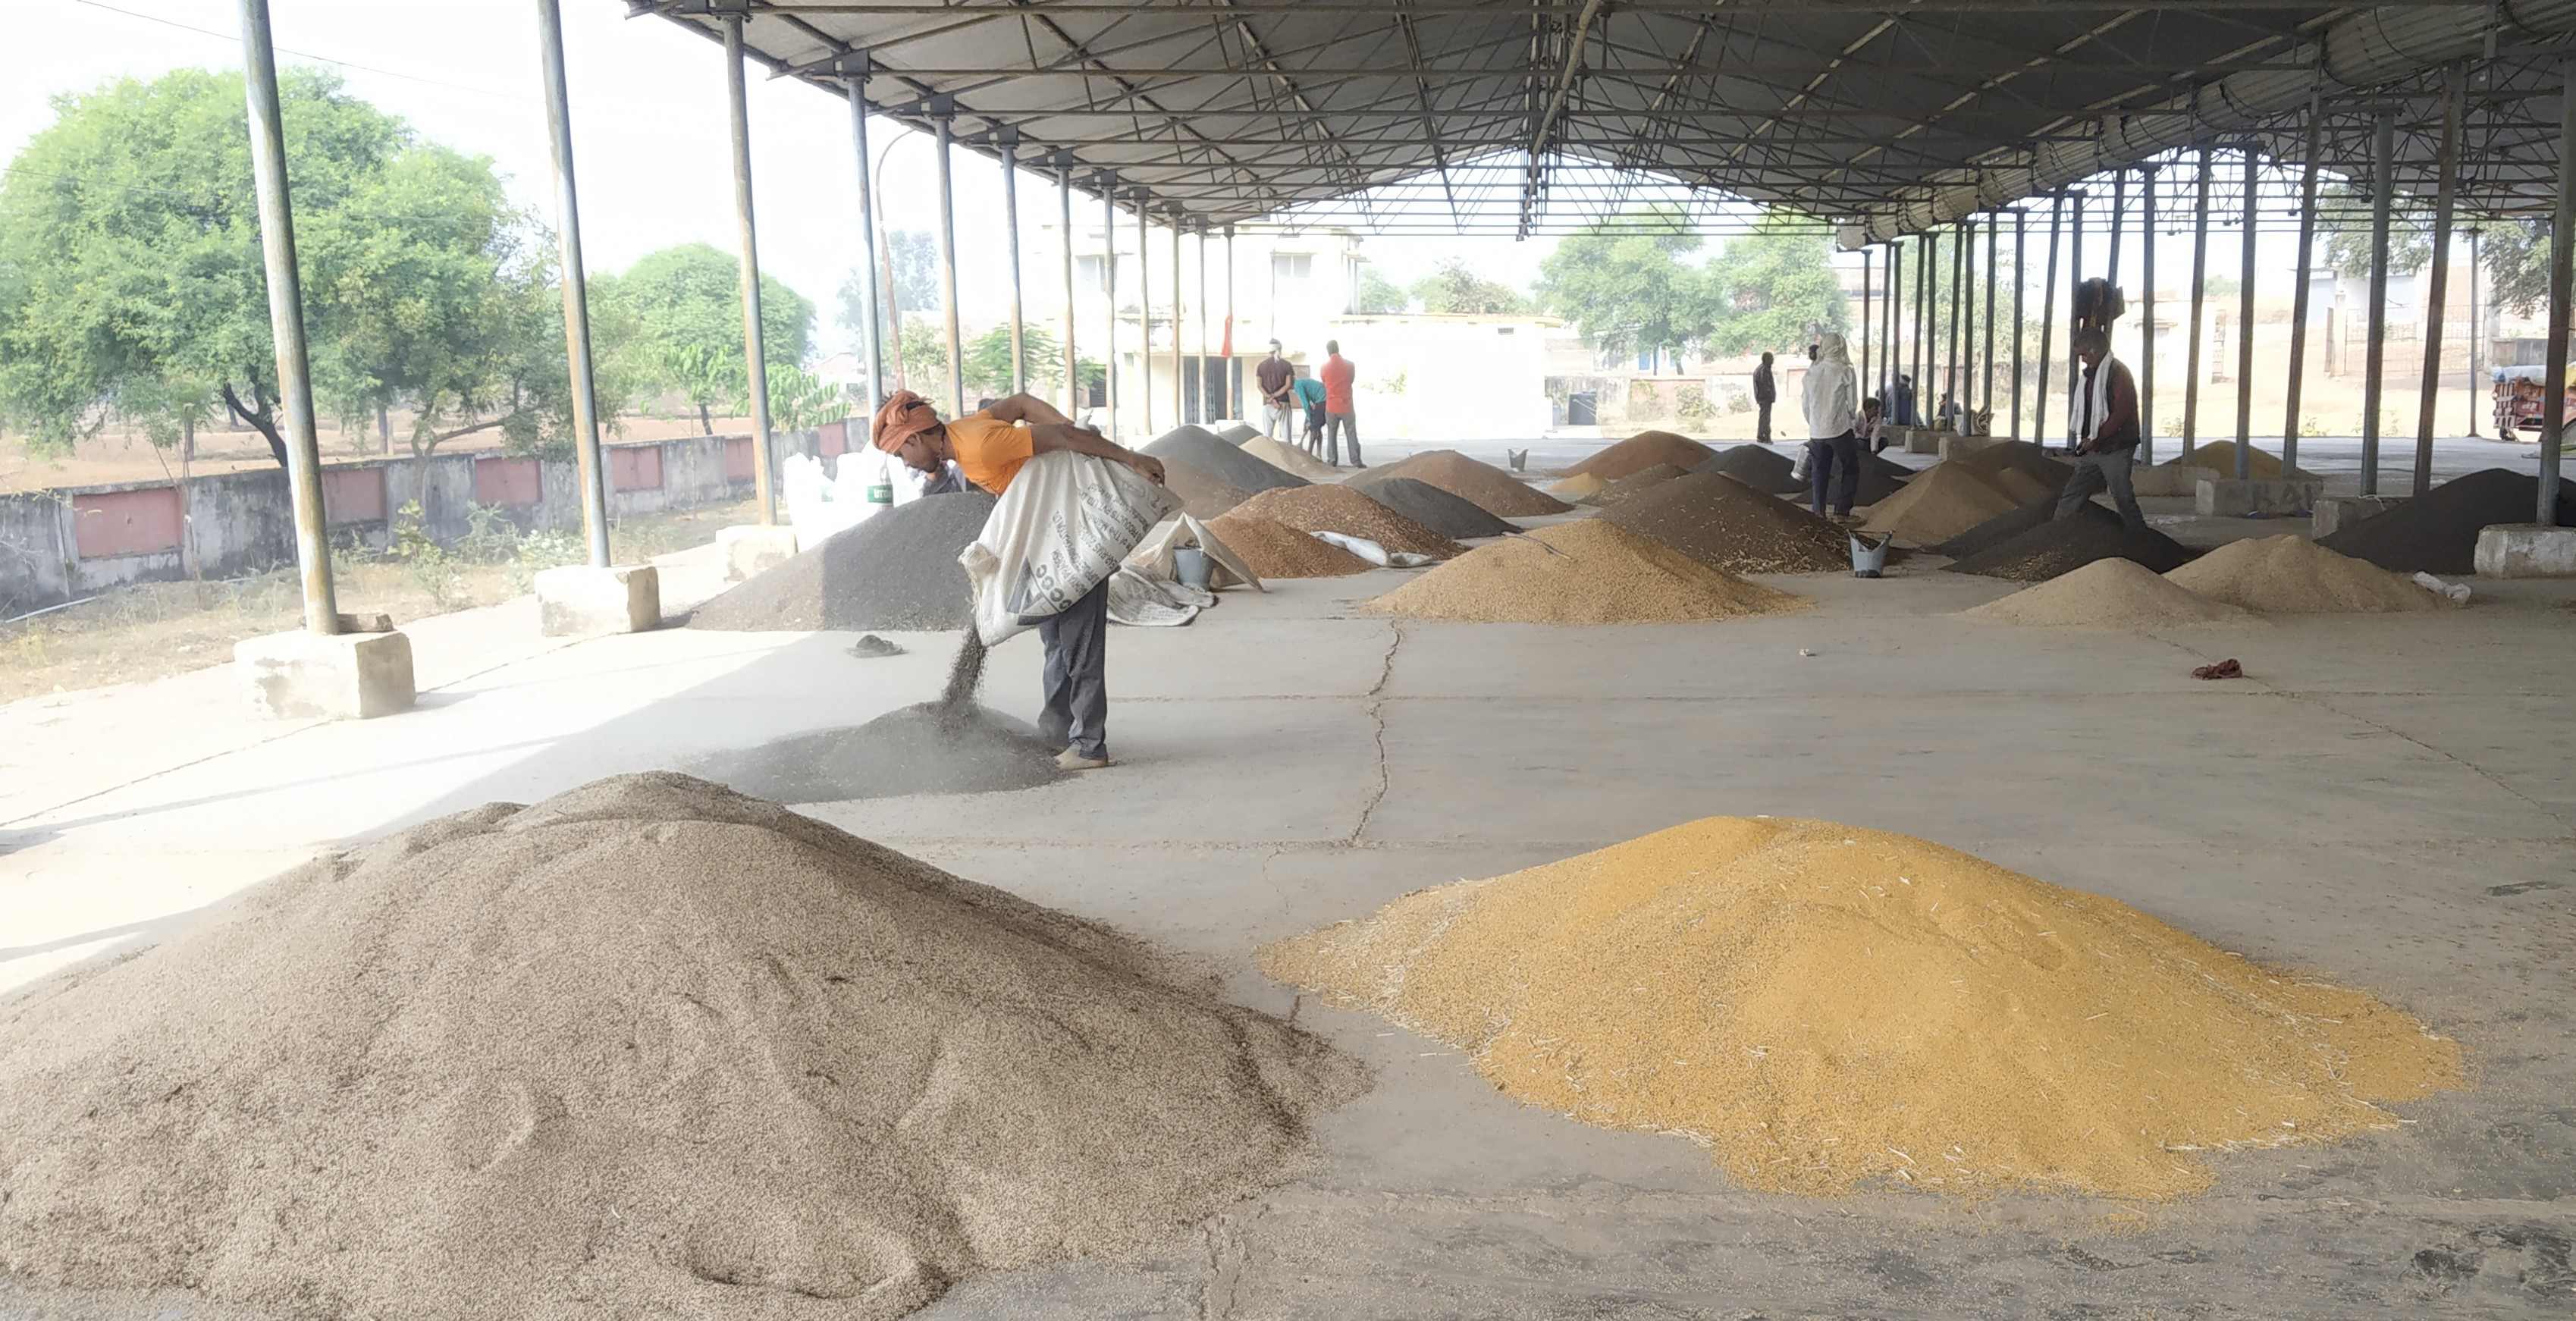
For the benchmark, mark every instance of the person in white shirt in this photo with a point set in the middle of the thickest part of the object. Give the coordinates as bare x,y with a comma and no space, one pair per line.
1832,402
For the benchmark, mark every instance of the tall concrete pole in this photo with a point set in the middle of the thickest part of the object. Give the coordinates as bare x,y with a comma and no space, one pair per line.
2437,291
2039,428
2021,276
941,119
854,85
2562,247
755,350
2245,326
286,322
576,293
2299,295
1009,142
1072,359
2199,291
2147,314
2383,196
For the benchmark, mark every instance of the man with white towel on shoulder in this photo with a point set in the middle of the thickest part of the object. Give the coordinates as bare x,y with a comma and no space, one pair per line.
2104,419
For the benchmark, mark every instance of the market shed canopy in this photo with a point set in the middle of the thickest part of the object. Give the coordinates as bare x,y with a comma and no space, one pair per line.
1889,117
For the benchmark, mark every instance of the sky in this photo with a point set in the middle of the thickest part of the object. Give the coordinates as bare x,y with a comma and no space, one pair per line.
649,127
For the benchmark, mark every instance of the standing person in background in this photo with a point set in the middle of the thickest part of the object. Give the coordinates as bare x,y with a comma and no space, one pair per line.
1766,392
1901,401
1310,393
2104,417
1832,404
1277,378
1339,419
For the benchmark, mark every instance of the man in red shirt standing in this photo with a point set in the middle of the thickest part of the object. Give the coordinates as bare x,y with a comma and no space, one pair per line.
1338,418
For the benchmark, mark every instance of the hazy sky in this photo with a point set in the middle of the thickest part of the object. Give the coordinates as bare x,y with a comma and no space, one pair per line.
649,126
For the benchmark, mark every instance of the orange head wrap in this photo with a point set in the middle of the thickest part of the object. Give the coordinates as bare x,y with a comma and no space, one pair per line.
904,416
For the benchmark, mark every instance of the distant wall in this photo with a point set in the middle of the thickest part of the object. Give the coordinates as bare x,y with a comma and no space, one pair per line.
62,544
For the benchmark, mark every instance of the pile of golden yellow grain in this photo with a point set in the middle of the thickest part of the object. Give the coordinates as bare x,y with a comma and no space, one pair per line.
1586,572
1824,1007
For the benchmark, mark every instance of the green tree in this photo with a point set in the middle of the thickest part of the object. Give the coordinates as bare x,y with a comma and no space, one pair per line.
2516,253
2410,231
131,280
1774,286
1455,290
685,305
1623,283
1380,296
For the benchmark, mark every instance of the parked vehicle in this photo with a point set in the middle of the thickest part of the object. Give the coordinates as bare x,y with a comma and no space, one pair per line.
2519,394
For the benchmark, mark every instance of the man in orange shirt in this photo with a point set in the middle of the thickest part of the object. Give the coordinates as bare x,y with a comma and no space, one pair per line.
1339,420
989,447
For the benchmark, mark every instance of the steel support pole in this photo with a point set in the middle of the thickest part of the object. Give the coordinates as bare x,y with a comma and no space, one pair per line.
2021,277
2477,332
2147,314
1144,318
2298,373
1864,322
1926,251
2199,294
1986,390
2047,322
1206,411
2075,279
2119,218
2562,246
948,267
1963,243
755,350
2245,325
576,293
1180,395
1890,313
1072,358
2437,292
286,322
2374,381
1109,297
856,89
1233,365
1010,145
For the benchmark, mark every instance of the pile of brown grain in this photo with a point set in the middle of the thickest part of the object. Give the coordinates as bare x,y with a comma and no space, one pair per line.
2290,574
1641,451
1273,549
1482,484
2019,469
1725,524
1340,509
1943,502
1290,459
1585,572
2221,456
1633,483
1823,1007
648,1048
1579,485
2111,593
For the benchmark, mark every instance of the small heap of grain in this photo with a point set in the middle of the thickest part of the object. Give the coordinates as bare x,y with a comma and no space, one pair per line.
1203,494
1824,1007
2437,532
1273,549
1633,483
2109,593
1451,516
1579,485
648,1048
2063,545
1585,572
1727,525
1290,459
1340,509
2290,574
1487,487
1641,451
1199,448
1761,467
1943,502
929,748
2220,455
2005,526
2019,469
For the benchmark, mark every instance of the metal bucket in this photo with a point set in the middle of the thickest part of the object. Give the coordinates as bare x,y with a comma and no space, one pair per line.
1869,561
1192,564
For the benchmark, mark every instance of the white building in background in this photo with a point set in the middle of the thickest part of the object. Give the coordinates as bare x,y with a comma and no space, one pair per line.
1419,377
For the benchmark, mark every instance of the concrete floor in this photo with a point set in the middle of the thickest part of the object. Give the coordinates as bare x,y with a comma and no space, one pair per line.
2383,801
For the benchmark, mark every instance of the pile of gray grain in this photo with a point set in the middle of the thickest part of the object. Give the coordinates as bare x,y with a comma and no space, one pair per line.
1761,467
898,569
931,748
1451,516
648,1048
1201,449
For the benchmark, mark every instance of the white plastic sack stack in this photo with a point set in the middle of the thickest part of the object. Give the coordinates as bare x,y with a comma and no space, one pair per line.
1061,528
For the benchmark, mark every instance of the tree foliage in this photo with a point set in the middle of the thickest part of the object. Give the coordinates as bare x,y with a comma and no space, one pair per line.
1774,288
1629,290
132,284
684,306
913,257
2516,253
1380,296
1454,289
